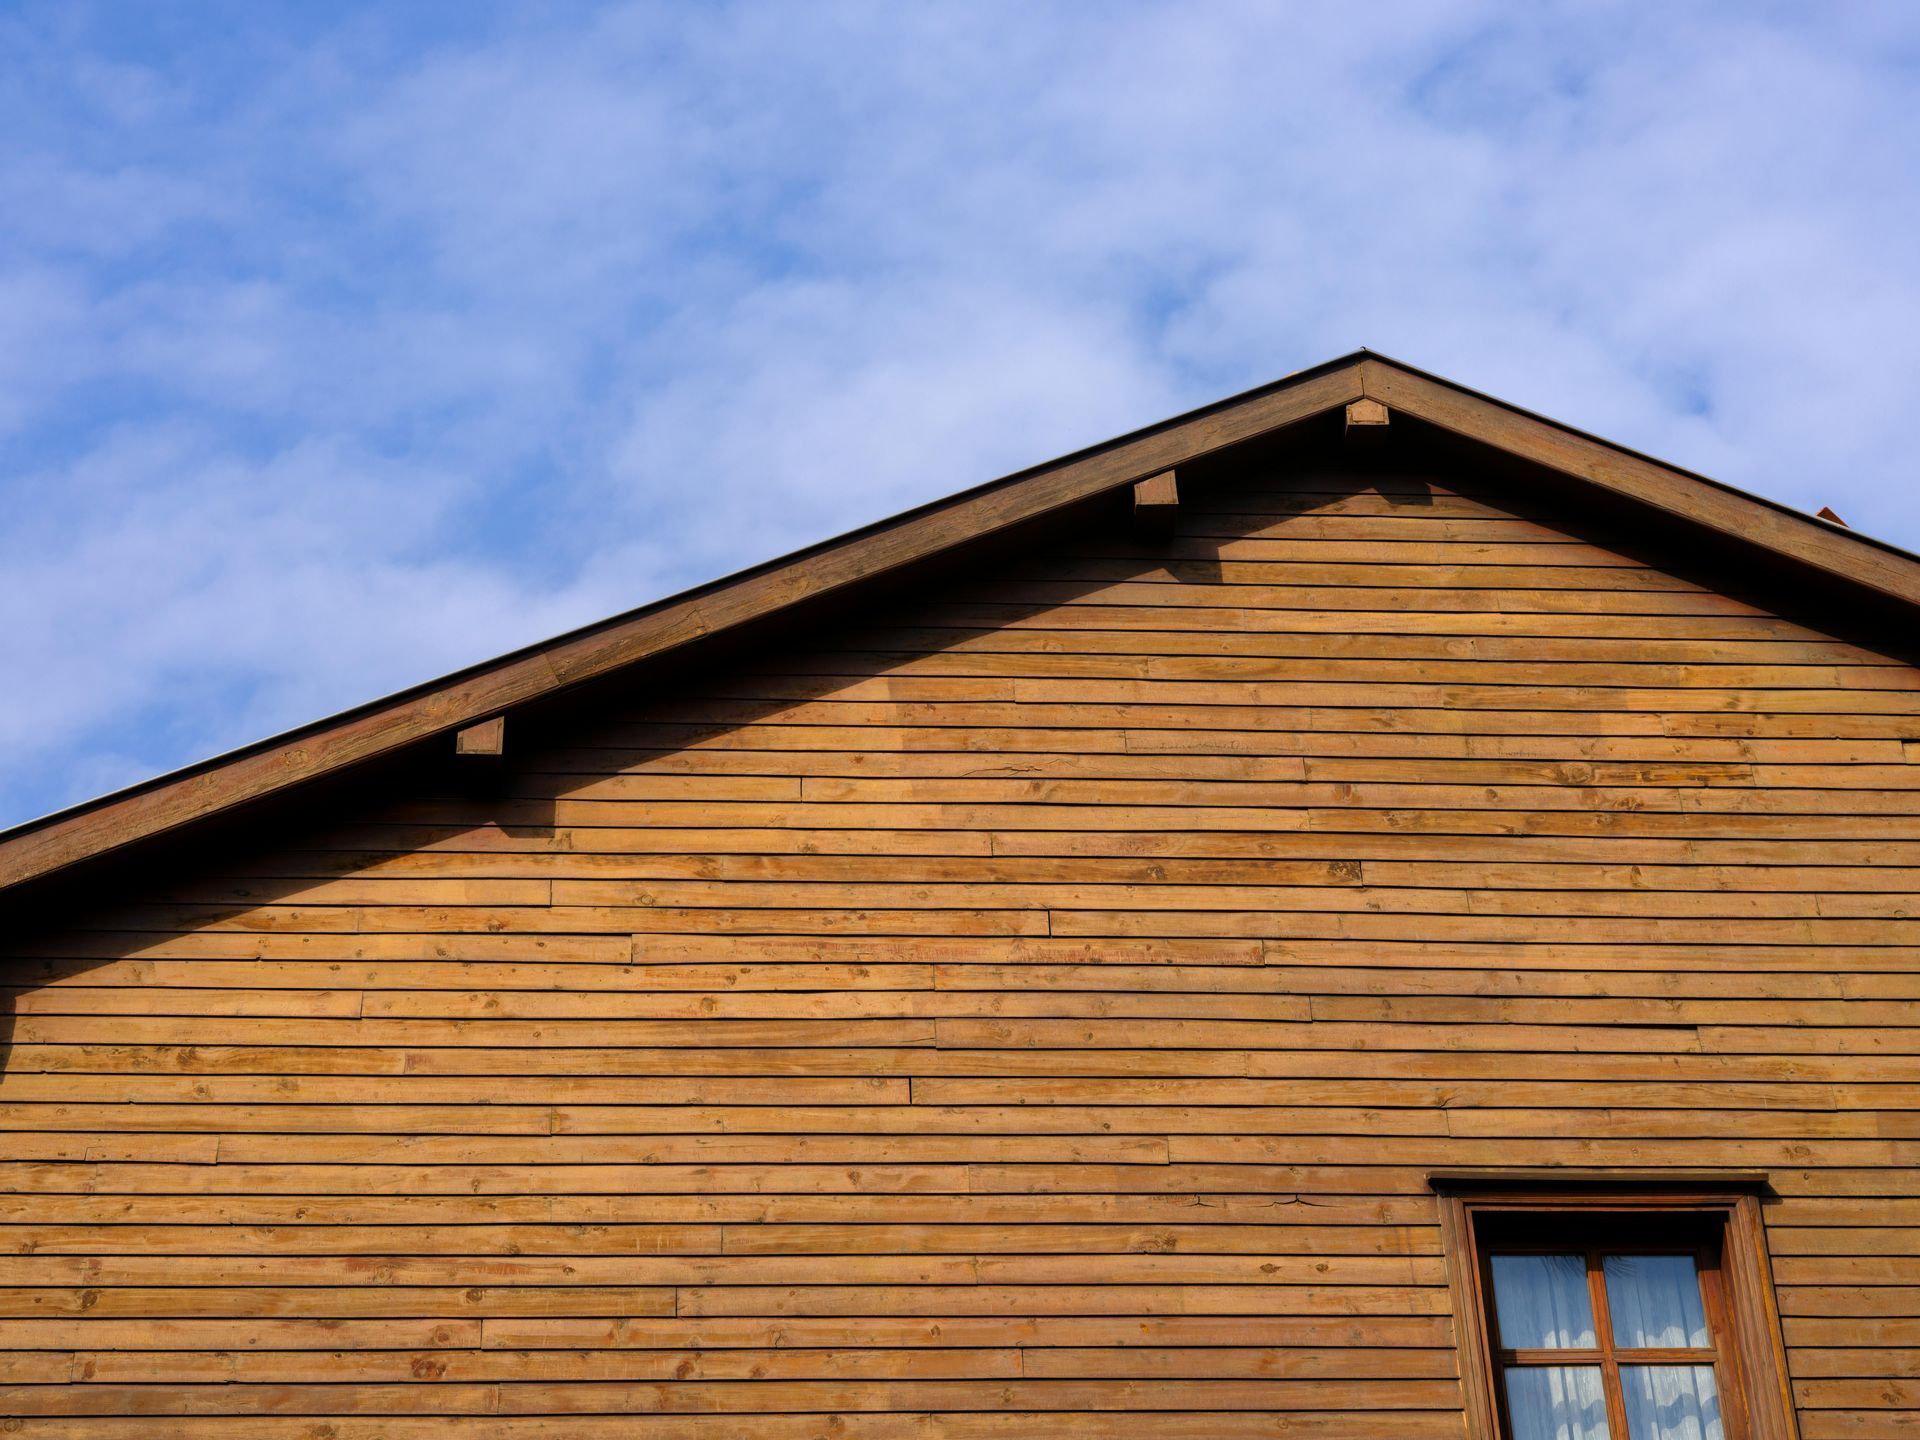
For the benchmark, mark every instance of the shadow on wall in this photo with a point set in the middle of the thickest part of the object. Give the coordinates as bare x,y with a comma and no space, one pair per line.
288,915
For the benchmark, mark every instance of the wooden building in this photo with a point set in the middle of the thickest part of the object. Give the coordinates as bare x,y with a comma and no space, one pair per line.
1163,945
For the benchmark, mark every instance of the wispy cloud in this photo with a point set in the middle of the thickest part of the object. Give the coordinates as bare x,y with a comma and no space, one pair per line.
341,347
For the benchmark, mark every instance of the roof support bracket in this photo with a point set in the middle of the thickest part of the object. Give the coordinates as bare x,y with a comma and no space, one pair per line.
1156,503
1367,422
489,737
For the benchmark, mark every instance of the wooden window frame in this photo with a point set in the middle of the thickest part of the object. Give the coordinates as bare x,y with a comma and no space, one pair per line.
1612,1235
1753,1375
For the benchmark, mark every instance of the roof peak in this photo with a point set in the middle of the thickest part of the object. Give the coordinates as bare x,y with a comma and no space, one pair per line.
214,786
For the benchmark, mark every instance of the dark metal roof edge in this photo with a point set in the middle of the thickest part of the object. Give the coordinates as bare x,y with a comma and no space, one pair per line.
707,587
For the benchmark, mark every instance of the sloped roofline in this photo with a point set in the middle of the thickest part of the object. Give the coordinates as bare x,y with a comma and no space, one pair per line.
68,837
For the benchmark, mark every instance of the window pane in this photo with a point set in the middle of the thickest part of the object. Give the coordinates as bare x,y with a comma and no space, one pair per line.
1542,1302
1556,1402
1671,1402
1655,1301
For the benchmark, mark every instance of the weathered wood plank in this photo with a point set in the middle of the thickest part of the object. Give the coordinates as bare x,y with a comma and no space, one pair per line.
1035,1011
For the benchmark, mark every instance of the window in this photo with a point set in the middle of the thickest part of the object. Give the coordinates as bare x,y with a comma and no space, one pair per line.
1602,1312
1608,1341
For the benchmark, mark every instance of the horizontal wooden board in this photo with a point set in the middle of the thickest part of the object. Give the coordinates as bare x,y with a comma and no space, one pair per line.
917,1425
1034,1007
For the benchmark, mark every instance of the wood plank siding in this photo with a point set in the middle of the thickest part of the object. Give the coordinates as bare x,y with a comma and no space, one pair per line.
1032,1008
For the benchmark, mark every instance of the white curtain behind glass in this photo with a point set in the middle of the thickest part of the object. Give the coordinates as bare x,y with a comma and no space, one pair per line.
1542,1302
1556,1402
1655,1302
1671,1402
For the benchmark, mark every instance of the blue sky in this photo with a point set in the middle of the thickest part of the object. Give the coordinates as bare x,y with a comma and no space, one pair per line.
342,345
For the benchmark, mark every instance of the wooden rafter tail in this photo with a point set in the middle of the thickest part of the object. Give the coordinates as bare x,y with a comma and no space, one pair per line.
1156,502
489,737
1368,422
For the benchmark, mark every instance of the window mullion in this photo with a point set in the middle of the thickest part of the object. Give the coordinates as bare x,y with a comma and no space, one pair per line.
1609,1363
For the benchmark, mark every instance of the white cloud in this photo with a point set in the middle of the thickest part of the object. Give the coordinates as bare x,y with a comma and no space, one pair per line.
278,589
331,361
